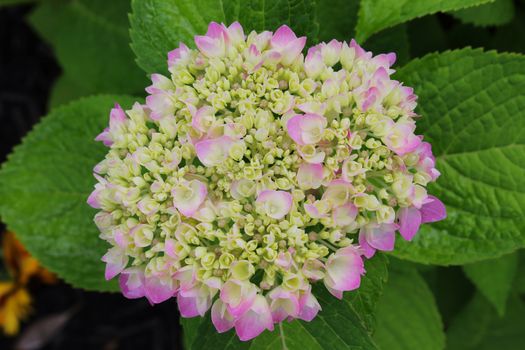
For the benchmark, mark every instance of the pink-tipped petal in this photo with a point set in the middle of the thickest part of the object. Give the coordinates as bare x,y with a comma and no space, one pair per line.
309,307
433,211
157,290
283,36
220,317
409,222
381,237
255,320
310,176
179,53
116,260
344,215
93,199
238,296
367,249
283,304
213,152
117,116
210,47
236,33
306,129
187,198
187,306
276,204
344,269
105,138
286,43
131,283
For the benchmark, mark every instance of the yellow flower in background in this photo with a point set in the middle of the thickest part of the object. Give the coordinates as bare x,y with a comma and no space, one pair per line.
15,305
15,300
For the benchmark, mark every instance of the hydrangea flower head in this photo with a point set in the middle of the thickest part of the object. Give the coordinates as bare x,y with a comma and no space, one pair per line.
253,171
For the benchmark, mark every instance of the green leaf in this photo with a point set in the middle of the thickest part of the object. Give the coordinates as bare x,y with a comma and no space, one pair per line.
407,315
494,278
157,26
337,19
343,324
44,186
391,40
14,2
473,114
496,13
65,89
91,42
376,15
519,283
478,327
426,35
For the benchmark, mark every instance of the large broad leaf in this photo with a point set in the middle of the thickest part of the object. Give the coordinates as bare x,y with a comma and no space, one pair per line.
66,89
345,324
494,278
376,15
519,283
157,26
91,41
496,13
44,186
426,35
337,19
473,113
478,327
407,315
391,40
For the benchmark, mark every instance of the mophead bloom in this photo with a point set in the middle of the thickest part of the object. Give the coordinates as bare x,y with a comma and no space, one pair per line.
253,171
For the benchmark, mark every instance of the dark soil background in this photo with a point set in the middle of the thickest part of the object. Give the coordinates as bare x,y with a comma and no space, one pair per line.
28,70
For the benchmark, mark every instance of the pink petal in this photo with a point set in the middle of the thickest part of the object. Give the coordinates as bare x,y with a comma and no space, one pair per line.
433,211
221,318
283,304
344,269
309,307
93,199
304,129
283,36
216,30
187,306
287,44
200,117
213,152
238,296
105,137
116,261
157,290
344,215
276,203
159,82
117,116
185,277
131,283
177,54
310,176
380,237
255,320
313,63
189,206
409,222
209,47
236,33
367,249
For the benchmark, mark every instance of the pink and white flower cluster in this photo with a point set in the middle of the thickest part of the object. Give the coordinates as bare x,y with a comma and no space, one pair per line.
253,171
